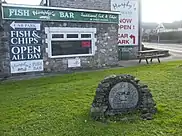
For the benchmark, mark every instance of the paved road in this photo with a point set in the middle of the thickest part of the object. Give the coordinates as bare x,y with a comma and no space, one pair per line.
174,49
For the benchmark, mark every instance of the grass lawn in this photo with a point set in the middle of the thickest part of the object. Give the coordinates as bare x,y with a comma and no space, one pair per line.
59,106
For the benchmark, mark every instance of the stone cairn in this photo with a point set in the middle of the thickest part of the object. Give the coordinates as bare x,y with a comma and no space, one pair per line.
122,94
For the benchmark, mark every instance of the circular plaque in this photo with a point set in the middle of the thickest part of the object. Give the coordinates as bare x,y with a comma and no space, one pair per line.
123,95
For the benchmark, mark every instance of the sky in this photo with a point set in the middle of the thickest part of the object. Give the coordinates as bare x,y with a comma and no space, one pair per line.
152,10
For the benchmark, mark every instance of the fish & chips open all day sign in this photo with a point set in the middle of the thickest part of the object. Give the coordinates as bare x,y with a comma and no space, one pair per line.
25,47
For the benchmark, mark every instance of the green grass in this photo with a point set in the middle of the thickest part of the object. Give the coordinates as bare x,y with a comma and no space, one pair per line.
59,106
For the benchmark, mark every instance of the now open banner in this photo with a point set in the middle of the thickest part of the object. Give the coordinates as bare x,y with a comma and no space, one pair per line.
128,21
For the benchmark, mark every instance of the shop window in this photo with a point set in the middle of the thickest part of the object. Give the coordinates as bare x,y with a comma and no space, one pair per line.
71,42
71,47
72,35
57,35
85,35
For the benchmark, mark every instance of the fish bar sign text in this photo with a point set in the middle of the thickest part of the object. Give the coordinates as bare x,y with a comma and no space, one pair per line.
19,12
66,14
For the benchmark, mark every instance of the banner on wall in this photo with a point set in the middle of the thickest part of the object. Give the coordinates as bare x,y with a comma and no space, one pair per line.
25,47
58,14
128,33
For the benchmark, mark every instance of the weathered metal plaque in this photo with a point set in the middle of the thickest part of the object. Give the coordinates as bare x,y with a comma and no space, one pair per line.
123,95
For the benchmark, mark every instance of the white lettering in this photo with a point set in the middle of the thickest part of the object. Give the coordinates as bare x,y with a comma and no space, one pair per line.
21,40
37,49
30,50
18,12
30,40
11,12
66,14
14,57
13,33
33,56
71,15
23,49
36,41
15,50
14,41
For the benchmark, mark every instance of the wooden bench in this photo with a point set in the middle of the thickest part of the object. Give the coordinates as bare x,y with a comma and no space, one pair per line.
150,54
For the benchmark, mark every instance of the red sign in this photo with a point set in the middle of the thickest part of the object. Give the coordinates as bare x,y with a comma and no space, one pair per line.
122,39
86,43
133,37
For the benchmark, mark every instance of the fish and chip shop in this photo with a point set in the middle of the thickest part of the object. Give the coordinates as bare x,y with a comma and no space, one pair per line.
44,39
41,39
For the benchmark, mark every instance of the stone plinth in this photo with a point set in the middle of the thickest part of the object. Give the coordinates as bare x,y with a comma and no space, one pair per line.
122,94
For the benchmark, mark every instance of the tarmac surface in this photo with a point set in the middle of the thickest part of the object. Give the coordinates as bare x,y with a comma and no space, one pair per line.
175,51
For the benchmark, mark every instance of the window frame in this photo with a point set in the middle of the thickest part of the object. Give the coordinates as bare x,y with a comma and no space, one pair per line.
84,33
56,34
65,30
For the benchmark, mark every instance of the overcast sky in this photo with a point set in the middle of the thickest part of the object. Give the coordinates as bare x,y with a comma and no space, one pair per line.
152,10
